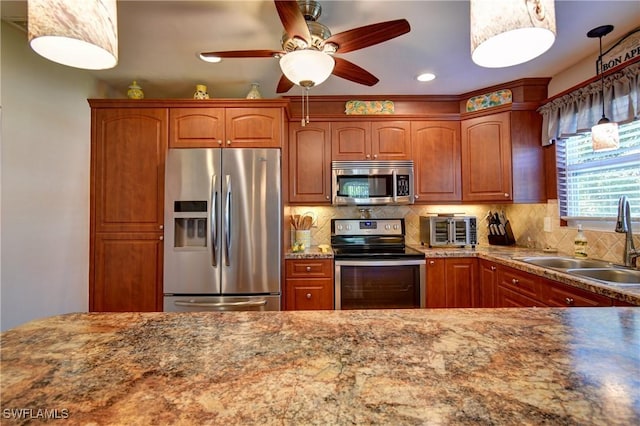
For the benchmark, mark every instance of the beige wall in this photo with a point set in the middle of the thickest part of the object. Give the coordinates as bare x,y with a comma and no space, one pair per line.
44,229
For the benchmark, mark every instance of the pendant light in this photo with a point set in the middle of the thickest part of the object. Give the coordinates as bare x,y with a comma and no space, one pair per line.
509,32
76,33
604,135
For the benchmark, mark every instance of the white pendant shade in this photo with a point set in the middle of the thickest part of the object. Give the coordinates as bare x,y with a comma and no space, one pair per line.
307,67
76,33
605,136
507,32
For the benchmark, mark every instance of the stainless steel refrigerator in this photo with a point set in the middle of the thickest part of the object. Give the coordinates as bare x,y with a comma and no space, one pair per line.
222,229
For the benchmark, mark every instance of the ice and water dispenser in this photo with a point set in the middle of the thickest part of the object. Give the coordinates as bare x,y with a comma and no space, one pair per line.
190,224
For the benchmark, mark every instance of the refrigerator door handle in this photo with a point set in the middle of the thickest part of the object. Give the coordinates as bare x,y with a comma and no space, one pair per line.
239,304
214,221
227,223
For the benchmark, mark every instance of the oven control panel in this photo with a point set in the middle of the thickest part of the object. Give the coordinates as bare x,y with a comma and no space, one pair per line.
367,227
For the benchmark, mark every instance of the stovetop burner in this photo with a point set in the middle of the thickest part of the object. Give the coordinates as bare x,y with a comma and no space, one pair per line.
370,239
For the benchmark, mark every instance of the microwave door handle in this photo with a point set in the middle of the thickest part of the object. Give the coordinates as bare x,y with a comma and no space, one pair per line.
395,186
227,223
213,203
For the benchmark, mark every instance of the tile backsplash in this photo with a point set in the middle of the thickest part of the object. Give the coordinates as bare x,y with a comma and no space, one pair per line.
527,222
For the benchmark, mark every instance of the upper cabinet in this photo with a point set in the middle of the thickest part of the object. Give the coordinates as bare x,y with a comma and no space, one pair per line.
502,159
309,163
233,127
436,156
366,140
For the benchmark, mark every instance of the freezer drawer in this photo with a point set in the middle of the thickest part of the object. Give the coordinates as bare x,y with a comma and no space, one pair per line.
221,303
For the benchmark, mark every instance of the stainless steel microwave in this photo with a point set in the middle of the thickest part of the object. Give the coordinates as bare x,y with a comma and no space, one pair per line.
447,230
371,183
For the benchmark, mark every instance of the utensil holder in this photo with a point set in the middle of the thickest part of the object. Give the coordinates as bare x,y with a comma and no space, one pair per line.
503,240
302,236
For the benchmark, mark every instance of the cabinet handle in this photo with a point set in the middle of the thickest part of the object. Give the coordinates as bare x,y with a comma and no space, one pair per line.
368,156
308,268
161,226
308,295
506,195
514,281
432,262
416,196
493,268
375,156
569,301
219,142
161,237
327,197
228,142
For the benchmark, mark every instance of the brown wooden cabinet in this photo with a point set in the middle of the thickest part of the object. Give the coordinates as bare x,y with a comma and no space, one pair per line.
559,294
488,276
308,284
451,283
436,156
235,127
366,140
502,159
128,151
309,163
521,283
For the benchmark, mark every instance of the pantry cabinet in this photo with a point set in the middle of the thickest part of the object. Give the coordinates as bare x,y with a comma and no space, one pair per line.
309,165
234,127
502,159
128,149
451,283
436,155
366,140
308,284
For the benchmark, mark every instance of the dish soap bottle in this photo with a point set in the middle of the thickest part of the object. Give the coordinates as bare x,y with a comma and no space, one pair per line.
580,244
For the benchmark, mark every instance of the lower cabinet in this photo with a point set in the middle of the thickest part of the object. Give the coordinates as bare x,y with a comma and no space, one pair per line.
451,283
517,288
308,284
559,294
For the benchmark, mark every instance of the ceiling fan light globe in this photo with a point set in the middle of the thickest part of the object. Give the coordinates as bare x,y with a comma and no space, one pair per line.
307,68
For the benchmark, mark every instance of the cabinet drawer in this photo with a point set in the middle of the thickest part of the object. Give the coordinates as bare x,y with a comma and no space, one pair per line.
521,282
508,298
559,294
312,294
309,268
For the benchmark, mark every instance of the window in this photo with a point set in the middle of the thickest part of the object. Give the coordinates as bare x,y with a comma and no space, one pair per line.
590,183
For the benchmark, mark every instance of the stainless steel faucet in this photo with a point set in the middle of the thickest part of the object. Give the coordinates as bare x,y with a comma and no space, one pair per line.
623,225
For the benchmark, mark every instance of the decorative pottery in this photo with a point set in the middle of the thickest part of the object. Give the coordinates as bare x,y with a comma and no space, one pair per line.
135,91
201,92
254,93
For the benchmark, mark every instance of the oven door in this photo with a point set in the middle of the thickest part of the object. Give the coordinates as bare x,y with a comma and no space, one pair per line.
380,284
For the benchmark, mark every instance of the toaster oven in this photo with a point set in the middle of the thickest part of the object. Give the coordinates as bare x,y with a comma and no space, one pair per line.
448,231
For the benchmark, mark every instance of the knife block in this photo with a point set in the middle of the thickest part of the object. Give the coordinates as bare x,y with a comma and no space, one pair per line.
503,240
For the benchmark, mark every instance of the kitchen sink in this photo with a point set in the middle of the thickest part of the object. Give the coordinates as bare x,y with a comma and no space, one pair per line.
611,275
563,263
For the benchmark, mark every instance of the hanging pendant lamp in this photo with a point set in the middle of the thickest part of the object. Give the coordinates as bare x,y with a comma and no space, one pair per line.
604,135
76,33
509,32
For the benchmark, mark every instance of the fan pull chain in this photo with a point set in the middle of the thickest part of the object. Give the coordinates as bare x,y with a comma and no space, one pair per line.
305,106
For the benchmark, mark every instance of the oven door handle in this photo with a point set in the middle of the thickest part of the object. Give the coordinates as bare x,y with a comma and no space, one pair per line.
395,262
395,185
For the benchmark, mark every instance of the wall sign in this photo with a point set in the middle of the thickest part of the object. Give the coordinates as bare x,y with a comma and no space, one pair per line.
624,50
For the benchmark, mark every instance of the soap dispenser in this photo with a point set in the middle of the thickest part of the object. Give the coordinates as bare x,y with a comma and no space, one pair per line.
580,244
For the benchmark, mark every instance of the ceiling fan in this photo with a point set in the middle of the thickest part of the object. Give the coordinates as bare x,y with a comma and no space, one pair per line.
305,36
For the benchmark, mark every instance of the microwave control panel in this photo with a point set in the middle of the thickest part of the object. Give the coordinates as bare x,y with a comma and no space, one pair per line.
402,186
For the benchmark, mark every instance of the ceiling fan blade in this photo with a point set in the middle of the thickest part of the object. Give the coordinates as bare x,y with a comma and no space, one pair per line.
284,85
243,54
292,20
350,71
358,38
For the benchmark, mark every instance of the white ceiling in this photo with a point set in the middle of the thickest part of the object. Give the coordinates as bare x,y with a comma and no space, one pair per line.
159,42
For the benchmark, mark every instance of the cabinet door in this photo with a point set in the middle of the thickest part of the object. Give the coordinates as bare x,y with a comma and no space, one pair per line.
312,294
310,163
351,141
486,158
436,152
390,140
461,277
127,169
521,282
436,284
488,284
127,272
559,294
196,127
508,298
253,127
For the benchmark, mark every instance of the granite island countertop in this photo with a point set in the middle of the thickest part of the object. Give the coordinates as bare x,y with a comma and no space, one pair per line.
393,367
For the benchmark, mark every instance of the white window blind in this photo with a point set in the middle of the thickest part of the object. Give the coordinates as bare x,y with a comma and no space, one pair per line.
590,183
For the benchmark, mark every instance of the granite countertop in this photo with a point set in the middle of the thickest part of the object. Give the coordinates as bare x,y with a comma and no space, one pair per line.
392,367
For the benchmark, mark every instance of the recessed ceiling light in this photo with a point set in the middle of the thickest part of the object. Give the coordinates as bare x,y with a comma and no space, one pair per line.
427,76
213,59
